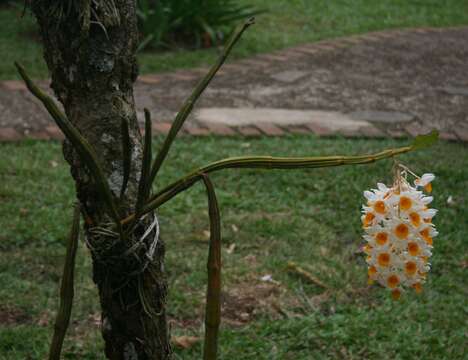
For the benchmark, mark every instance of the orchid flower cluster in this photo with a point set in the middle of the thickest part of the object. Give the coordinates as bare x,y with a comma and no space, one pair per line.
399,232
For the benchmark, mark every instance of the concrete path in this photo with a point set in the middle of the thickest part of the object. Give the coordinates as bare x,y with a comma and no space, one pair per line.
391,83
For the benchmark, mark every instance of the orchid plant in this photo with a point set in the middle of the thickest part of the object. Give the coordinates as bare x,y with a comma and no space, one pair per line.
147,201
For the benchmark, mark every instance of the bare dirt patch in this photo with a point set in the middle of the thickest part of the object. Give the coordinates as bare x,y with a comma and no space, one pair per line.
13,316
243,302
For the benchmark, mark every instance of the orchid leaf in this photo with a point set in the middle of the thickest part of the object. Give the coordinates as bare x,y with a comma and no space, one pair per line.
424,141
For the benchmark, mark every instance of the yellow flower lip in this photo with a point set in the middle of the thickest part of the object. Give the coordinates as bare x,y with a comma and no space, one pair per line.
368,218
401,231
383,259
405,203
396,294
411,268
381,238
372,270
417,287
393,281
379,207
415,219
413,248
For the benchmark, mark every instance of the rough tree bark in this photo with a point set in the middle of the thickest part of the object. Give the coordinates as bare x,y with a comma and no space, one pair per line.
89,47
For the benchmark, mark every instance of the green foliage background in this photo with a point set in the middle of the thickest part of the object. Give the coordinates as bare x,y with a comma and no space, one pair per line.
284,23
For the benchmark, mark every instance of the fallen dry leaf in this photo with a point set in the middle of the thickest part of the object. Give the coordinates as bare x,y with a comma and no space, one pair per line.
231,248
294,268
185,342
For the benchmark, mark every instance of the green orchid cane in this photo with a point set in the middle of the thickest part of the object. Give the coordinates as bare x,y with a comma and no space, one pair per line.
192,99
127,156
80,144
66,289
213,292
144,185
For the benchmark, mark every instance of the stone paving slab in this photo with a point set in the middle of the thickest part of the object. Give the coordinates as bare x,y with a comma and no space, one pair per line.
331,120
385,84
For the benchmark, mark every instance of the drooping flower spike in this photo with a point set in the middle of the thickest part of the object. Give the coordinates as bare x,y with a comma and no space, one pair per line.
399,232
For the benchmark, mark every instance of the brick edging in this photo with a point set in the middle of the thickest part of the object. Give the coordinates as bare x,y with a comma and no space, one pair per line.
264,129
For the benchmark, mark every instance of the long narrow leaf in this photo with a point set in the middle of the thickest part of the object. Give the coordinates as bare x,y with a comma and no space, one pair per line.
144,186
192,99
269,162
424,141
81,145
66,289
127,156
213,292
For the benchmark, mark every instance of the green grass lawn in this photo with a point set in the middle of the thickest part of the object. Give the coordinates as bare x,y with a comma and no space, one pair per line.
286,23
268,218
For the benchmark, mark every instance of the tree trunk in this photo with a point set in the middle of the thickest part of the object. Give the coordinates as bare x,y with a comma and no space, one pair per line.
89,47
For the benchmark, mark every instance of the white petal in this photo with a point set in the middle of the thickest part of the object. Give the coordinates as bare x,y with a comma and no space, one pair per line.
369,195
382,187
429,213
427,178
427,200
